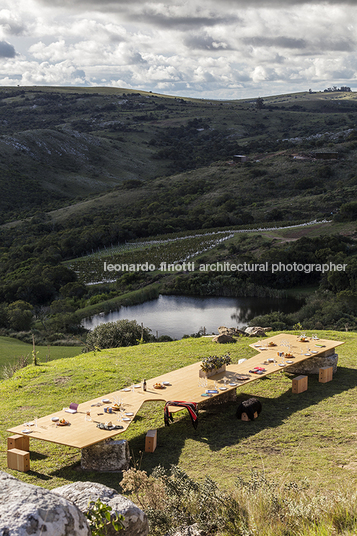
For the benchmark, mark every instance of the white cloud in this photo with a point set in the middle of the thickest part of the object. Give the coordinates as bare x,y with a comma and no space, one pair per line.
189,48
10,23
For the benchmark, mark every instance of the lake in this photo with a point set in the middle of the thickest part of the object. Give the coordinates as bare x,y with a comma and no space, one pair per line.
183,315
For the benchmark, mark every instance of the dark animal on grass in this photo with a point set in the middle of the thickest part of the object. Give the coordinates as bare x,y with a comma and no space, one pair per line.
249,407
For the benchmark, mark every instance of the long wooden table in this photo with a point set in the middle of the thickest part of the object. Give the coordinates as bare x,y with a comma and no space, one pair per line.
185,385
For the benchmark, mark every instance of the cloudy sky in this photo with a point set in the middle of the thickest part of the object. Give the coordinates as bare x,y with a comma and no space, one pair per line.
212,49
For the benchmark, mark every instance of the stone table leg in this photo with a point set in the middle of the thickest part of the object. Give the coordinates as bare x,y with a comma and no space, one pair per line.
110,455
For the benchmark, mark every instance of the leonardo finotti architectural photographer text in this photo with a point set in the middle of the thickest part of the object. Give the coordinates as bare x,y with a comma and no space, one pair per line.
226,267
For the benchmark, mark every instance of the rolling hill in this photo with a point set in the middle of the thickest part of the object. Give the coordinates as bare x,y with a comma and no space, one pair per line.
61,145
83,170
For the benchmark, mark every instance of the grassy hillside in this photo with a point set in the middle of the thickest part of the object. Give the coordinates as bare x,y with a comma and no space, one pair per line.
64,144
85,171
307,436
12,349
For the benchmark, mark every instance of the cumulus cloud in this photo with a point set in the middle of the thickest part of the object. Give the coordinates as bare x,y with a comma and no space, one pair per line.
279,42
10,24
231,48
114,5
203,41
175,19
7,50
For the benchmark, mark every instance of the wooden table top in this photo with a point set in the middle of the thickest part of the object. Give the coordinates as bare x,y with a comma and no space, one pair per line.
185,385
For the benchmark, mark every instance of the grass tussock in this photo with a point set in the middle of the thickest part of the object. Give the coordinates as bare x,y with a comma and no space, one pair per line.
254,506
10,368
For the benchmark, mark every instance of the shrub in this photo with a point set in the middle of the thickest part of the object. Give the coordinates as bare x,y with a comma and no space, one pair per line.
20,314
101,519
115,334
348,212
172,499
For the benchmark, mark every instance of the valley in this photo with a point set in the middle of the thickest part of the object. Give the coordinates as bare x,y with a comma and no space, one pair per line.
112,175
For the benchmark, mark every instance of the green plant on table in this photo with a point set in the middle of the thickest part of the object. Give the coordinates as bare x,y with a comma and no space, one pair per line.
215,362
100,517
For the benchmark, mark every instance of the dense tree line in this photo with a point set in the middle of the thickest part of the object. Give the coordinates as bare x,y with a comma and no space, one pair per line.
33,279
334,305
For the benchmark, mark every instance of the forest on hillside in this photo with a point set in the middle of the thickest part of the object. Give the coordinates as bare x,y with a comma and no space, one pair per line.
86,171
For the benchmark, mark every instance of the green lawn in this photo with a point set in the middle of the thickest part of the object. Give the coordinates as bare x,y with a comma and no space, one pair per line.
311,435
12,349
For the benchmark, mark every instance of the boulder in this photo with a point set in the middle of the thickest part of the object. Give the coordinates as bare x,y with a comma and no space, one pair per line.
225,398
109,455
312,365
81,493
255,331
222,330
26,509
222,339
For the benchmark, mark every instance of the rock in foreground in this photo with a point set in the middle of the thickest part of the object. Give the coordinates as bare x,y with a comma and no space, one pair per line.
26,509
135,523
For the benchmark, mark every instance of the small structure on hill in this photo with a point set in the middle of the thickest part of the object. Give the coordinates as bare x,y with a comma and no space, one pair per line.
239,158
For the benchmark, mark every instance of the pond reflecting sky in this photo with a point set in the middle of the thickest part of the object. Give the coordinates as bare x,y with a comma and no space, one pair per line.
179,315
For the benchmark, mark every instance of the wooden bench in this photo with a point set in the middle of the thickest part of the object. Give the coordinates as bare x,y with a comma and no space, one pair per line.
18,459
325,374
151,441
299,384
18,442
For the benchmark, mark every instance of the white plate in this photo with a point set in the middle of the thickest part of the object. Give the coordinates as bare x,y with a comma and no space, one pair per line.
232,384
126,389
126,419
105,400
26,431
314,352
307,354
129,414
166,383
137,386
223,388
55,419
281,364
290,361
29,424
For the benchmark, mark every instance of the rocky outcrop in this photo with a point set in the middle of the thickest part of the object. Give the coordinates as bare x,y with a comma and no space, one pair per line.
26,509
80,493
312,365
225,398
256,331
110,455
222,330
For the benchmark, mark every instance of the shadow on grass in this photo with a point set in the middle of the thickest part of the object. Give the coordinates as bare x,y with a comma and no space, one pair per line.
40,476
37,455
74,473
218,427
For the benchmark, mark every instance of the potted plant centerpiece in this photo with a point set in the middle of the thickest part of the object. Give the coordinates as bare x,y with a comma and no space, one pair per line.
214,364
